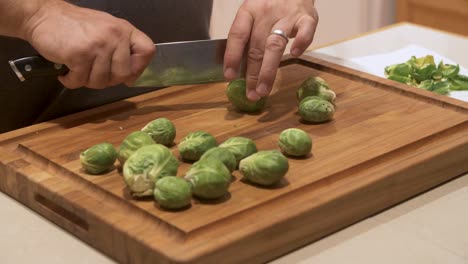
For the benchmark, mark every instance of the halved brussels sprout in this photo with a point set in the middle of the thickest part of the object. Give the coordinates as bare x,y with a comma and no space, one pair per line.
328,95
98,158
193,145
315,86
264,167
131,143
316,110
295,142
236,93
222,155
210,178
241,147
308,98
173,192
162,130
147,165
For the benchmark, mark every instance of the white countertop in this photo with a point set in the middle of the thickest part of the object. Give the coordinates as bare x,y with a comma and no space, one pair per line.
431,228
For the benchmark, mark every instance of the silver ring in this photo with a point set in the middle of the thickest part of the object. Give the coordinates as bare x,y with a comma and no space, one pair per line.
281,33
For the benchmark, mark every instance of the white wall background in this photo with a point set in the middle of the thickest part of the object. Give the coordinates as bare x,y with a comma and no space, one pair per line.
339,19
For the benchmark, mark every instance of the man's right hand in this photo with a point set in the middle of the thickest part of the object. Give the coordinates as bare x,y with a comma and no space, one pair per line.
99,49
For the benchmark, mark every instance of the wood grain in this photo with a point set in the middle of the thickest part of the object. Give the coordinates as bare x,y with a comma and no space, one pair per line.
449,15
387,142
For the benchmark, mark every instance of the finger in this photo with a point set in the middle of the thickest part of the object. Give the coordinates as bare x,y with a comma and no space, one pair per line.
121,67
99,76
274,50
305,26
255,56
238,38
78,75
142,51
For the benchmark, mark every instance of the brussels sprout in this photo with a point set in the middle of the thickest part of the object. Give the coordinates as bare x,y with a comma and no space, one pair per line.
210,178
133,142
316,110
173,192
423,68
98,158
162,130
241,147
222,155
146,165
193,146
295,142
447,70
236,93
315,86
264,167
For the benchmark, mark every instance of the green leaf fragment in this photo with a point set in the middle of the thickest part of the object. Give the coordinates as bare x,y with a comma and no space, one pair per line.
459,83
447,70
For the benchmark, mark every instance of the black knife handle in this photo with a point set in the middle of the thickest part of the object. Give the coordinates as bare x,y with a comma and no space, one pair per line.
36,66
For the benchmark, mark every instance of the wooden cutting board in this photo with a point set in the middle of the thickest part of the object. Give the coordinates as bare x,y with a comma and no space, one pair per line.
387,143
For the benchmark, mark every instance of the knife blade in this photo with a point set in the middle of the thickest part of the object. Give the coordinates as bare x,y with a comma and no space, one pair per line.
174,63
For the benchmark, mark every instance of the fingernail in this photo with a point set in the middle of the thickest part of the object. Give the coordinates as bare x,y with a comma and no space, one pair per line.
262,89
296,52
253,96
229,73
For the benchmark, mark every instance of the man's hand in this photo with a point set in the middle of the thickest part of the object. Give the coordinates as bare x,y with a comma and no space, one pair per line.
100,50
251,32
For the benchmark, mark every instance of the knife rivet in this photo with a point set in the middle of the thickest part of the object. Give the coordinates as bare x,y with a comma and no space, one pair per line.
28,68
58,66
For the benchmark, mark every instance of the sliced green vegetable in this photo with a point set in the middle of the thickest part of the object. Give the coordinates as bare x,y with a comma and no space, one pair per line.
423,73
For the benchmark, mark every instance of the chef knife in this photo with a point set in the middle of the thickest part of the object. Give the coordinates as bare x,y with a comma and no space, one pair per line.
174,63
